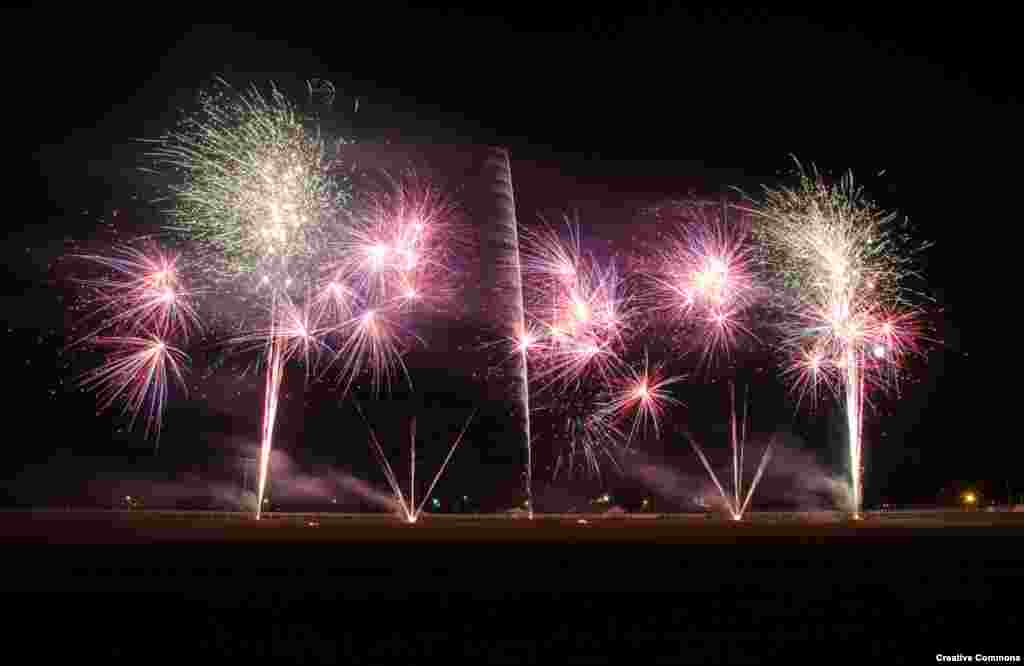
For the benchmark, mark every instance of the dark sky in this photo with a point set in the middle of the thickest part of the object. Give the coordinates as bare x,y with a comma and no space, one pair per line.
595,110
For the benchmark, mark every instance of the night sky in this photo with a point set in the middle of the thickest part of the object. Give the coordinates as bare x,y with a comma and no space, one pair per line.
601,114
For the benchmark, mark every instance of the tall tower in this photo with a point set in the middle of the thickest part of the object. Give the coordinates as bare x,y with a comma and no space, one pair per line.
501,303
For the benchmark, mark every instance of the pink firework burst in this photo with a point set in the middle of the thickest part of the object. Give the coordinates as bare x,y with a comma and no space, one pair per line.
399,250
372,342
705,277
142,293
642,393
578,312
136,372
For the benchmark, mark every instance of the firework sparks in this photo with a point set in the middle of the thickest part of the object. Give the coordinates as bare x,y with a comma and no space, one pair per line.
579,312
258,190
398,250
705,276
256,181
644,393
409,509
373,342
738,501
144,293
840,257
589,438
136,372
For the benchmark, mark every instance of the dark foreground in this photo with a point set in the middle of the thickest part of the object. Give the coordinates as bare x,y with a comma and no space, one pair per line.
504,590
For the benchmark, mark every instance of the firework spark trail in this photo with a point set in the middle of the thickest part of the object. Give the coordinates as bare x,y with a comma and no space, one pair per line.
739,500
272,392
137,371
840,258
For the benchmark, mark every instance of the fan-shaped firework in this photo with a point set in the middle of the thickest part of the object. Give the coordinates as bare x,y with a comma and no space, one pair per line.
740,500
844,264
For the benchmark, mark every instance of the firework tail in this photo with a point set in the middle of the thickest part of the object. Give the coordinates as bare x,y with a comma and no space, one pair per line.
272,391
503,296
854,388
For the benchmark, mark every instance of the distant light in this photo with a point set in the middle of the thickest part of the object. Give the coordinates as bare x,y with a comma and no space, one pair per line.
879,351
970,498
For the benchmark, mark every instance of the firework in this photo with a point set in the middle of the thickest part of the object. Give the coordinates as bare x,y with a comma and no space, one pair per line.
579,316
136,372
410,510
704,278
399,247
142,293
589,438
578,312
840,259
738,501
256,181
643,393
372,342
258,190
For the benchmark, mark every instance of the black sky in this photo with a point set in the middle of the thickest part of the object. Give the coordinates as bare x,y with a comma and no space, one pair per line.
592,107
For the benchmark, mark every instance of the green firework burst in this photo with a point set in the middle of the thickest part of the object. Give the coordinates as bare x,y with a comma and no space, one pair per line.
256,181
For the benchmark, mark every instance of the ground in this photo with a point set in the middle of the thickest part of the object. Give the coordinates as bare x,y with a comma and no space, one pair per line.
892,587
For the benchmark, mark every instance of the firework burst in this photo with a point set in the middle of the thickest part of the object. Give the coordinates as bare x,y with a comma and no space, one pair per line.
841,261
399,247
256,181
578,313
136,372
644,394
704,281
143,292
